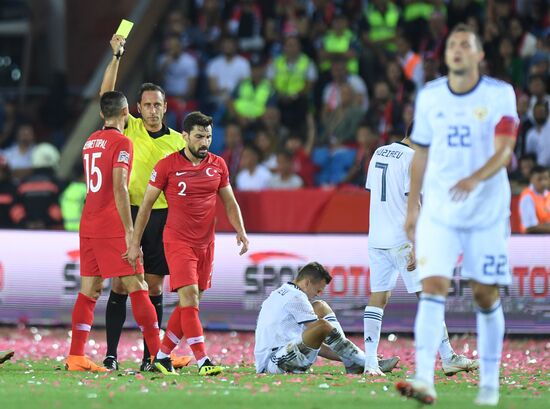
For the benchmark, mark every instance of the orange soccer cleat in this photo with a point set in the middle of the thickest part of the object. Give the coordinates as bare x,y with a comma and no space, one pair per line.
180,361
82,363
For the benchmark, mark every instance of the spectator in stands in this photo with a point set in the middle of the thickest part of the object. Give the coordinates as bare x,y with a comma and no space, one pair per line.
210,26
293,75
340,75
233,148
271,122
431,68
367,142
340,124
459,11
538,92
72,200
433,45
7,195
253,175
525,43
519,179
301,152
178,25
416,15
9,123
178,72
339,43
411,62
246,24
384,112
224,74
284,176
534,203
251,98
266,144
507,65
524,123
538,137
402,88
379,25
38,193
19,155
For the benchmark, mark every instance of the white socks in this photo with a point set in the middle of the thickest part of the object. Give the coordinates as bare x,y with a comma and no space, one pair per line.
428,334
348,352
445,349
372,324
490,334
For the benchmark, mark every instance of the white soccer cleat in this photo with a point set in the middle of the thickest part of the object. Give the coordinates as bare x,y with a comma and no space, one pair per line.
371,371
417,389
487,397
459,363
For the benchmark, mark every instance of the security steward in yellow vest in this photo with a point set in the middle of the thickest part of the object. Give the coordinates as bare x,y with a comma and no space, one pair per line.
382,17
339,43
292,83
71,202
152,141
252,96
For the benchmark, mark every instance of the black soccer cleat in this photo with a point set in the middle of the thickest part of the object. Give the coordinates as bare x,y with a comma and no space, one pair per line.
146,366
110,363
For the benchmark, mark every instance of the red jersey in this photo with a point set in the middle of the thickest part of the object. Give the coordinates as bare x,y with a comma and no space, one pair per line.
191,193
103,151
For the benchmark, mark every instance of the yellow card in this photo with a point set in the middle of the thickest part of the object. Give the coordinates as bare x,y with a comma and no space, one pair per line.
124,28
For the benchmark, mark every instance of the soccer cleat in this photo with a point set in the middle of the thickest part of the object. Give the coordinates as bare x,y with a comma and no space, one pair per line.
354,369
110,363
459,363
164,366
180,361
370,371
6,356
387,365
419,390
209,369
487,397
146,366
82,363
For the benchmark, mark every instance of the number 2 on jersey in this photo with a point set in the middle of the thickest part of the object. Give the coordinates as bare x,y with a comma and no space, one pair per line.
384,167
92,169
183,186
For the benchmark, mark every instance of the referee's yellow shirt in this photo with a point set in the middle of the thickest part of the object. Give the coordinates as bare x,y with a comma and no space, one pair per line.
148,150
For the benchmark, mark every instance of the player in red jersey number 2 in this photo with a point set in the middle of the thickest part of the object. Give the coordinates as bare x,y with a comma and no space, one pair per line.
191,179
105,232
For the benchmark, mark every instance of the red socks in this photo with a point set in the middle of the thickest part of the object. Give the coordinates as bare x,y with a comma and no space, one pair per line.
146,317
173,333
83,317
192,329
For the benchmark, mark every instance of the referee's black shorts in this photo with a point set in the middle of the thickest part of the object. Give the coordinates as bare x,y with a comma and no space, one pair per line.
154,261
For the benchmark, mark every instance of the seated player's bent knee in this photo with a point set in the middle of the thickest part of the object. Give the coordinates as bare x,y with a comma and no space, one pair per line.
321,308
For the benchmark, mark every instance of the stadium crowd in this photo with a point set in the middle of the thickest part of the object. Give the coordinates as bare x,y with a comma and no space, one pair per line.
302,92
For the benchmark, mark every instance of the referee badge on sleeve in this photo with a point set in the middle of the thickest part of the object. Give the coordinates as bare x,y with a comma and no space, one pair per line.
153,175
124,157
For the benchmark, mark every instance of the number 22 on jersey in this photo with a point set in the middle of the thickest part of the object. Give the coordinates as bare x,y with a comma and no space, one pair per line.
91,169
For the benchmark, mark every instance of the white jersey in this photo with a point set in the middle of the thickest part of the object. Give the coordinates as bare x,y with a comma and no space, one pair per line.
460,131
281,321
388,180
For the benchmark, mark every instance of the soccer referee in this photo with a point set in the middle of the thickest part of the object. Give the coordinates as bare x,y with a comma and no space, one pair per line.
153,140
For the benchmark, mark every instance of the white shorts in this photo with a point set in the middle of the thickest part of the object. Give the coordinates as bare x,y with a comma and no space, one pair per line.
485,251
289,358
387,264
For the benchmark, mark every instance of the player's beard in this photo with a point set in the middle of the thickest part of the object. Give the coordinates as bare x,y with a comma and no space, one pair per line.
200,154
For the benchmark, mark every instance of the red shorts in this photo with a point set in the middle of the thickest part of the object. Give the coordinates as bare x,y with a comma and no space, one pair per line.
103,258
189,265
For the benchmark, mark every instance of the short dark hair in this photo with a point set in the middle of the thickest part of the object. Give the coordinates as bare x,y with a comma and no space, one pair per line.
535,77
196,118
465,28
528,156
149,86
315,272
541,103
285,153
111,103
537,169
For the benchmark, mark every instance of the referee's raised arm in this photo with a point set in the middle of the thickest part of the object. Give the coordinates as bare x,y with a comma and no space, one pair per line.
109,77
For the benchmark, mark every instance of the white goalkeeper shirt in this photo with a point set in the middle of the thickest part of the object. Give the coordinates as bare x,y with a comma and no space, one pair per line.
281,321
460,132
388,181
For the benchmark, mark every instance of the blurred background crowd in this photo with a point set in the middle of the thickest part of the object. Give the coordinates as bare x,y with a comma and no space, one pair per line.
301,91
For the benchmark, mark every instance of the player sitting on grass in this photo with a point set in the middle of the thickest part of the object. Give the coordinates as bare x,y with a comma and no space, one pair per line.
292,330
